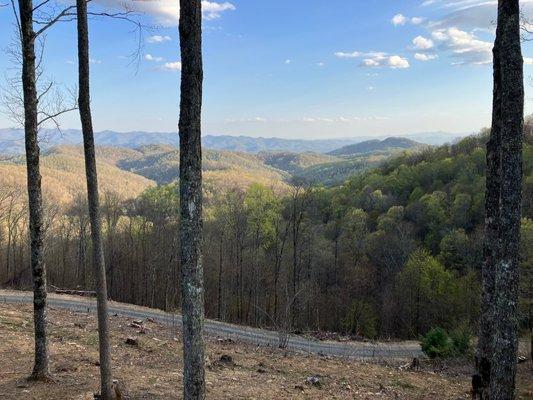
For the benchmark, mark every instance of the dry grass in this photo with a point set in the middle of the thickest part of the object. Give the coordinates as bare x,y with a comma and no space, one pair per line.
153,369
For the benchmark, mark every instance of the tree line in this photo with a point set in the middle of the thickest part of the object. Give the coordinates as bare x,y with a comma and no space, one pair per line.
25,106
390,253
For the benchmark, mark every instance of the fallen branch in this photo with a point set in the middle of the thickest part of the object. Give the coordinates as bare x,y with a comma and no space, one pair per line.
81,293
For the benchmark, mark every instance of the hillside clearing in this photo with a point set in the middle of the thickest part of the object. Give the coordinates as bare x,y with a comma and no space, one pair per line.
153,369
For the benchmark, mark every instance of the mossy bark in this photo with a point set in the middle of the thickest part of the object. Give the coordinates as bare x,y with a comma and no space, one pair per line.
35,198
84,103
190,29
498,341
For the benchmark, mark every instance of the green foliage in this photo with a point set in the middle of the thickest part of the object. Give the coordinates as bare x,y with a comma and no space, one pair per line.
437,343
462,340
263,209
361,319
456,250
160,203
428,288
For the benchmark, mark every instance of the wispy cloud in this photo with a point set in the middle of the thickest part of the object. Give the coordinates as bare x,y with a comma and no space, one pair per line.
425,57
172,66
464,46
376,59
158,39
400,20
149,57
309,119
166,12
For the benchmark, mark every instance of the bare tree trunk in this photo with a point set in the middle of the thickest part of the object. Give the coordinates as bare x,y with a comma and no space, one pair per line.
220,265
27,36
509,81
107,391
490,250
190,28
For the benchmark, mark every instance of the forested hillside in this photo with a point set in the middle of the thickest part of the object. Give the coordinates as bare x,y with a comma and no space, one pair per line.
63,171
391,253
388,145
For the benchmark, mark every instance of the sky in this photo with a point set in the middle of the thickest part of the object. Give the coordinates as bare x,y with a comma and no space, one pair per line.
292,69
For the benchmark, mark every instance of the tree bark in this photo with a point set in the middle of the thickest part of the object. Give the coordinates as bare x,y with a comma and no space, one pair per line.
31,127
106,380
509,81
190,28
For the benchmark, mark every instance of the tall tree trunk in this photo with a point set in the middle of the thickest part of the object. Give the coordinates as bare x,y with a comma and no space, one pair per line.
107,391
220,265
190,28
509,81
31,127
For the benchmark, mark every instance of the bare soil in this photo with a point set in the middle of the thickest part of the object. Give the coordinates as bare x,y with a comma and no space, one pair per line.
153,368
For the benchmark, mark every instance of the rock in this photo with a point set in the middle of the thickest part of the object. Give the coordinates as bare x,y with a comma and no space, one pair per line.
313,381
132,341
299,387
261,370
227,360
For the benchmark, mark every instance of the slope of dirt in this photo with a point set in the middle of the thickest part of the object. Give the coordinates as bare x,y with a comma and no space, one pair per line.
153,369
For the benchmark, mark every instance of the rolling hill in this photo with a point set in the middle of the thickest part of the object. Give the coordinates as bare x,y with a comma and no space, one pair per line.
12,141
389,145
129,171
63,172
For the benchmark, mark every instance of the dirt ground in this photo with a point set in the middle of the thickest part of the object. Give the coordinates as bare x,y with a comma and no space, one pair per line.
153,368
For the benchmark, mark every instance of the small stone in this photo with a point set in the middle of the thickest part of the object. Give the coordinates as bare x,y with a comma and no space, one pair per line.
132,341
313,381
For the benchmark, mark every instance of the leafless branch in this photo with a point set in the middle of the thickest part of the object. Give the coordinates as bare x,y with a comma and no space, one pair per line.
54,100
49,23
17,19
526,27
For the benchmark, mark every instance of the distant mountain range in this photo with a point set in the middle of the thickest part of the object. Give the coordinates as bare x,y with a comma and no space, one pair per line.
376,146
12,141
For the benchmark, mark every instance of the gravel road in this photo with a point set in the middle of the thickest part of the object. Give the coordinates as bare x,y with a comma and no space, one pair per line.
352,350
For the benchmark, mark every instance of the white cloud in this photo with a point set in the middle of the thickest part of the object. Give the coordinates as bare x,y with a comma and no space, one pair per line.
320,64
470,15
397,62
466,28
212,10
528,61
425,57
398,20
377,59
247,120
422,43
158,39
166,12
95,61
465,46
308,119
287,61
149,57
172,66
342,54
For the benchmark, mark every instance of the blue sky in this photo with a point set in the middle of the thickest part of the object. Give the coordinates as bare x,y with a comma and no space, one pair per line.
305,69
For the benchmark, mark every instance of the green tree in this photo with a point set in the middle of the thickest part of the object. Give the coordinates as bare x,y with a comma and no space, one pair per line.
424,288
